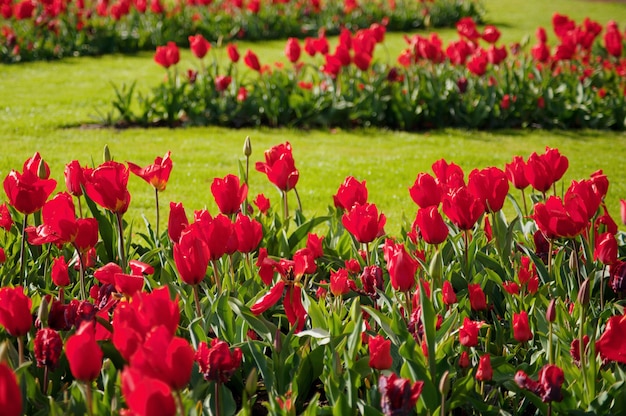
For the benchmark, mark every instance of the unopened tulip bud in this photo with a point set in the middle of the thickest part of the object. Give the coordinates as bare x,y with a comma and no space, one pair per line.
107,153
444,384
41,170
278,342
551,311
4,352
247,147
42,313
251,382
583,293
435,266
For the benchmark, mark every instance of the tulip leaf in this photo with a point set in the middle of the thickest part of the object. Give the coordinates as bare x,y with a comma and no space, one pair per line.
105,228
301,233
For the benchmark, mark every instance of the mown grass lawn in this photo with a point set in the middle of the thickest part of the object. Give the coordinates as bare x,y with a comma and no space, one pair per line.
43,106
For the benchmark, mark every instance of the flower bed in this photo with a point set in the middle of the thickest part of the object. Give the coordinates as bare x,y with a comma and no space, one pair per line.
258,309
34,30
472,82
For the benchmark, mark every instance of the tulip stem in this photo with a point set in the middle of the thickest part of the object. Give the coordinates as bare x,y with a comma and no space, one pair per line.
525,205
550,347
20,350
466,240
22,250
89,397
218,401
550,244
81,272
581,346
157,235
285,209
44,385
196,299
216,276
298,199
602,288
120,248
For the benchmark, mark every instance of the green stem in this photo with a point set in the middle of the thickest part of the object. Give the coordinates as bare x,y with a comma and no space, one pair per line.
22,250
602,288
20,350
44,385
89,397
216,276
466,252
581,346
81,272
550,244
550,347
156,198
196,299
525,205
218,399
120,243
298,199
285,209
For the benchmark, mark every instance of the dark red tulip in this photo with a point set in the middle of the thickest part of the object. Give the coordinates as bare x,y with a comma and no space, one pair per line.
617,276
548,387
401,266
229,193
222,82
464,360
364,222
199,45
156,174
10,394
431,225
15,314
249,233
350,192
516,172
107,185
280,167
59,272
84,354
233,54
521,327
252,61
74,178
47,347
491,186
380,353
462,208
27,193
191,255
426,191
146,395
218,362
398,395
484,372
177,221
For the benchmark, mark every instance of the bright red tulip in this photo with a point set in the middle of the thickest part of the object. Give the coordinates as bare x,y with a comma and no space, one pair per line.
478,301
586,191
199,46
37,166
15,314
74,178
167,55
156,174
613,39
84,354
292,50
219,235
350,192
401,266
59,272
491,186
218,363
398,395
431,225
462,208
466,27
426,191
27,193
464,360
557,218
6,221
10,394
521,327
491,34
107,185
484,372
222,82
262,203
380,353
606,248
252,61
146,395
249,233
364,222
233,54
468,332
177,221
447,291
279,166
600,183
516,172
611,344
191,255
229,194
128,284
139,268
340,283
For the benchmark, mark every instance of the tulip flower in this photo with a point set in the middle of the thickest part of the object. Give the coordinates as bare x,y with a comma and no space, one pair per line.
521,328
279,166
15,308
611,346
431,225
191,256
484,372
74,178
401,266
380,353
588,196
107,185
218,363
252,61
10,394
426,191
468,332
47,348
177,221
6,221
167,55
249,233
233,54
350,193
340,283
229,194
398,395
146,395
476,297
462,208
548,387
156,174
59,272
490,185
364,222
447,291
84,354
515,172
292,50
262,203
199,46
128,284
27,192
557,218
606,249
464,360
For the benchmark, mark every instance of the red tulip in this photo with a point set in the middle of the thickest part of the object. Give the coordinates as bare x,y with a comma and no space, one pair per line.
350,192
548,387
219,235
622,210
218,363
252,61
168,55
292,50
340,283
606,248
37,166
447,291
279,166
146,395
462,208
600,183
515,172
47,348
557,218
613,39
6,221
15,314
249,233
611,344
191,255
139,268
59,273
425,191
156,174
468,333
314,243
398,395
364,222
380,353
464,360
74,178
106,274
199,46
222,82
10,394
484,372
229,194
84,354
107,185
491,186
431,225
27,193
262,203
477,297
477,63
491,34
466,27
588,196
128,284
177,221
233,54
401,266
521,328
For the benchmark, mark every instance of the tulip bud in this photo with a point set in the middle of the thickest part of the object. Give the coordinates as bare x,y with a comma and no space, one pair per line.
444,383
583,293
251,382
247,147
42,314
41,170
551,311
4,352
107,153
435,266
278,342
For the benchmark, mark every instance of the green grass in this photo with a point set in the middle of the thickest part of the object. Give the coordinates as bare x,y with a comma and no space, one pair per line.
41,105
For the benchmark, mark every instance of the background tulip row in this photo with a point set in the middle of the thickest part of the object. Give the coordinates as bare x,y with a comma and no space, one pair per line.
258,309
472,82
35,30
